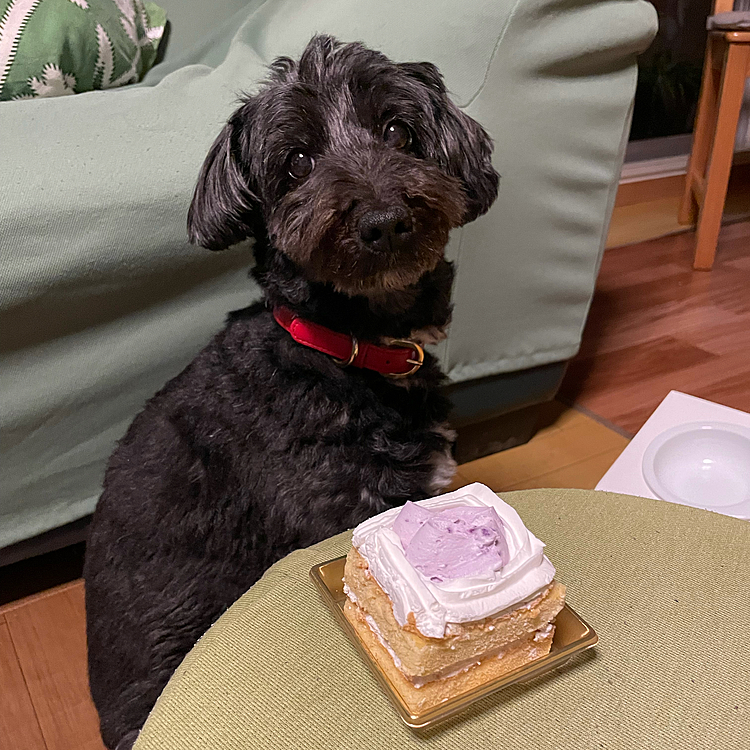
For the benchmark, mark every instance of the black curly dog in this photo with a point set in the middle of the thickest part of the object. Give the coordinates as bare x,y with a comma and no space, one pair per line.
349,171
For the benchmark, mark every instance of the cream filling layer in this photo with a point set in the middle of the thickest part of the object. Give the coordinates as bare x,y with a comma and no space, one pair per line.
454,669
435,604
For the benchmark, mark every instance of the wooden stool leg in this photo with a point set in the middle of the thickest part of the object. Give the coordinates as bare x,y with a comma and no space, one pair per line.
703,132
722,151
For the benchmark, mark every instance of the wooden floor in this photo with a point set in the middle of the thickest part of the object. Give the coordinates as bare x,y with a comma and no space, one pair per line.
646,210
44,696
654,325
572,449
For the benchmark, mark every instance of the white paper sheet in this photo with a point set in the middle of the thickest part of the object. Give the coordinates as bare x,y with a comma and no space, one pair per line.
626,474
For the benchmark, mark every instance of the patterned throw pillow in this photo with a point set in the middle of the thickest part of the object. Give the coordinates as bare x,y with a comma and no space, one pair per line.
60,47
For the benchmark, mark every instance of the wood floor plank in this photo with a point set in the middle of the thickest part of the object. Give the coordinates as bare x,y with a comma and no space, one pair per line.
646,326
40,595
632,224
656,325
741,264
49,635
646,210
624,367
583,475
555,416
646,191
629,406
19,727
458,481
723,339
581,438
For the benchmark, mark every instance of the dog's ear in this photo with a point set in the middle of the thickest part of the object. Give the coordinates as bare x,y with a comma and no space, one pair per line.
224,210
463,148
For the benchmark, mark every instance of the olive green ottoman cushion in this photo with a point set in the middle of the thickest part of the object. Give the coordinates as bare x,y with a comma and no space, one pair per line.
664,586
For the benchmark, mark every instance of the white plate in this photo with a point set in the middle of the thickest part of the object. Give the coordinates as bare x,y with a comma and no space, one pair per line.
703,464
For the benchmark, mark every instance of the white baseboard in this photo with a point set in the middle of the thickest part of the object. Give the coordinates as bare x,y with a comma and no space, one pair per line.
654,169
668,166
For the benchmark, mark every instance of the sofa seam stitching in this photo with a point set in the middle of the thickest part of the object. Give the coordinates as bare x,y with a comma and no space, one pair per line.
498,41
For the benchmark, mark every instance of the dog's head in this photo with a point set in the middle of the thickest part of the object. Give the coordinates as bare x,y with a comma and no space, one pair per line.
353,167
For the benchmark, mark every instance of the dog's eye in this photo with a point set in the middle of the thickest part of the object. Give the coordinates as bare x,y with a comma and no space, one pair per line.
300,164
397,134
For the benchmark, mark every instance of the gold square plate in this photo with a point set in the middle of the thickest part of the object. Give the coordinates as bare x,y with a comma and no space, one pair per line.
572,635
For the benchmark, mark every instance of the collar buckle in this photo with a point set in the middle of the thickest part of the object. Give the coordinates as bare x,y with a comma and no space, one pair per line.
417,360
355,351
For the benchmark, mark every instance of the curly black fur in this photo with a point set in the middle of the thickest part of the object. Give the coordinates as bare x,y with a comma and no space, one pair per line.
261,445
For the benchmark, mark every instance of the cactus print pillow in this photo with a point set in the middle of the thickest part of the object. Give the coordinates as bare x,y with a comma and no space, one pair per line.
61,47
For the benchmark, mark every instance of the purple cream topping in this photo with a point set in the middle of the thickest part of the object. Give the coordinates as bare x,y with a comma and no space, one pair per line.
452,543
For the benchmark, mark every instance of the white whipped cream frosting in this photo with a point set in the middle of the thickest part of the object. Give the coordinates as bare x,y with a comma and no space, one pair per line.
433,604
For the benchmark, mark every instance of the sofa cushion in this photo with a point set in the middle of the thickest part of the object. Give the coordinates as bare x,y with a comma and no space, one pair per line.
103,299
62,47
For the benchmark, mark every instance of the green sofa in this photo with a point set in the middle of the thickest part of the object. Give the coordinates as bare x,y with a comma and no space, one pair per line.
103,300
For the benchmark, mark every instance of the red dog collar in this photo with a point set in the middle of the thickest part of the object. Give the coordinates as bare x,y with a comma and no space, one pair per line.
401,358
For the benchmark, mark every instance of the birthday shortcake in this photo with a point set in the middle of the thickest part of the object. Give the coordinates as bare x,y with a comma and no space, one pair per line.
450,592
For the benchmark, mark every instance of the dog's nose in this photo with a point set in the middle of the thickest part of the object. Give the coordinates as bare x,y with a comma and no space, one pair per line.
385,230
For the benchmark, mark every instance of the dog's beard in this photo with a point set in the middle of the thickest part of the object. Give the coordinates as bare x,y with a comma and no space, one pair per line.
316,225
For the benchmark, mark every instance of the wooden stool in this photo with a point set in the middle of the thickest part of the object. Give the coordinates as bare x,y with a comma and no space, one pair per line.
726,67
